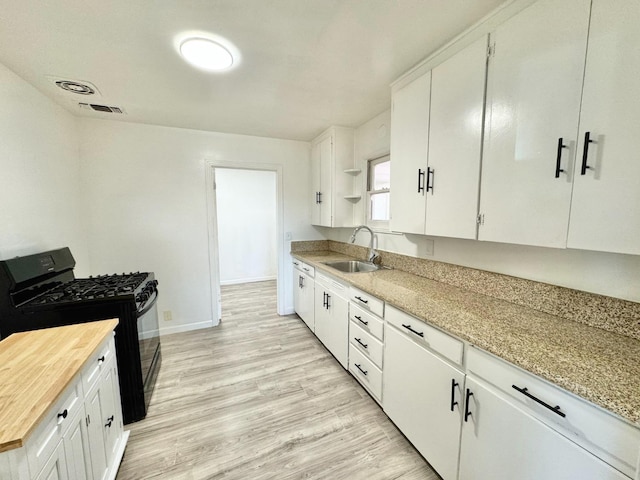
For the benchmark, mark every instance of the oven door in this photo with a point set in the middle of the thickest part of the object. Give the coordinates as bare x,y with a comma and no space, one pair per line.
149,344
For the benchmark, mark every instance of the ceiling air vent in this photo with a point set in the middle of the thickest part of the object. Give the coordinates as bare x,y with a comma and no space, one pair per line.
101,108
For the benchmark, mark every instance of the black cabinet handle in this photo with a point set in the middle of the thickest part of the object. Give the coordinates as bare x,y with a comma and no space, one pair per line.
364,372
324,299
420,180
101,359
559,157
328,298
526,393
64,414
408,327
360,320
360,342
109,421
431,173
362,300
467,412
319,197
585,152
454,384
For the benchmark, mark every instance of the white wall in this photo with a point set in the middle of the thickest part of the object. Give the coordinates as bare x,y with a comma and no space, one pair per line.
39,174
246,214
147,208
609,274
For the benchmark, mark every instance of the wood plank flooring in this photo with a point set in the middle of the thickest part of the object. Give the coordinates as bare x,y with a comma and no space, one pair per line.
258,398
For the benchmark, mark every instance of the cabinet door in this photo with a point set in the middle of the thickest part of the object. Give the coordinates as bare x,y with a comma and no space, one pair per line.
501,442
332,322
76,448
533,103
409,144
605,210
326,191
303,297
112,421
315,184
56,467
96,435
455,142
423,396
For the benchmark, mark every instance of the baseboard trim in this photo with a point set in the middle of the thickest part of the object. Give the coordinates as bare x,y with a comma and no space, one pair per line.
247,280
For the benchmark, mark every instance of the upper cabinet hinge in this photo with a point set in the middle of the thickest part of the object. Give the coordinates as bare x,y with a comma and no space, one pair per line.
480,219
491,50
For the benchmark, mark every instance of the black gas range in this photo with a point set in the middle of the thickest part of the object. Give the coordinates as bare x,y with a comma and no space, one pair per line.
41,291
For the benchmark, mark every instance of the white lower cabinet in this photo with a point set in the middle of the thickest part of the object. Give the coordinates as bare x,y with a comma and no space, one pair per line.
332,316
303,286
423,397
76,448
81,437
55,468
501,442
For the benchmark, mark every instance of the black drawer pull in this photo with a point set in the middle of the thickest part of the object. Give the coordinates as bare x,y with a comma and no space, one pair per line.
408,327
585,152
467,412
64,414
526,393
101,359
360,342
109,421
360,320
559,157
362,300
364,372
454,384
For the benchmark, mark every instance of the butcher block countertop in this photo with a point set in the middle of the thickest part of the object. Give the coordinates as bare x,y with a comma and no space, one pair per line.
597,365
35,369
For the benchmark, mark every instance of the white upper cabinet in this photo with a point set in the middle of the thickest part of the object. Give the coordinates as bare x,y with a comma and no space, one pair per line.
409,145
533,105
605,211
331,155
455,143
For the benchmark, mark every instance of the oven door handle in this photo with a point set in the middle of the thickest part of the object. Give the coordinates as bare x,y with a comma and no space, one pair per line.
150,305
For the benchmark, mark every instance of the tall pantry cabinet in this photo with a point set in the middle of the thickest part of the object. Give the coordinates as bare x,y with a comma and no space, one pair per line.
331,185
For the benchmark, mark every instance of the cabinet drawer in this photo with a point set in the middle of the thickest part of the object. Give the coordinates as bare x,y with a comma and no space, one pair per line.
366,343
365,372
304,267
95,365
603,434
49,432
366,301
441,343
367,321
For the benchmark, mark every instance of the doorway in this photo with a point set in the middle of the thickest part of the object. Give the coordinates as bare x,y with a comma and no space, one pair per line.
245,230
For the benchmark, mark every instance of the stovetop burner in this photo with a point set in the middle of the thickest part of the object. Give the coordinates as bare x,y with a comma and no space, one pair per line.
102,286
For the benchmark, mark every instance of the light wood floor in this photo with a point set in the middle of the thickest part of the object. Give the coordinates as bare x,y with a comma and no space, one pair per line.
257,398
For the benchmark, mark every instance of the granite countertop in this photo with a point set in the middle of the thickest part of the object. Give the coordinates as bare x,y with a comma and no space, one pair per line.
35,369
595,364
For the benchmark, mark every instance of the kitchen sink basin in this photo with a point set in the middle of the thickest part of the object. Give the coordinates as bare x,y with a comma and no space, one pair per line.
352,266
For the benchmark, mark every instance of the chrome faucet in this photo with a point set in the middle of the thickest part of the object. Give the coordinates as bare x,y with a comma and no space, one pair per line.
373,243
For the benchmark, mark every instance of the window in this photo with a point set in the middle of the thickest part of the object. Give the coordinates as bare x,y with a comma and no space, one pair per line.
378,186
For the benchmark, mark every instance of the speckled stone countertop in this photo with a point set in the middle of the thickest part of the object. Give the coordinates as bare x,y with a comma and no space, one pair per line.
595,364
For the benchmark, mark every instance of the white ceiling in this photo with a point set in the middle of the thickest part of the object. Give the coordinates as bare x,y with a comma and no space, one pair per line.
306,64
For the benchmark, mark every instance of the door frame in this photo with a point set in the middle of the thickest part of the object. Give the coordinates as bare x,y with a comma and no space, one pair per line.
212,227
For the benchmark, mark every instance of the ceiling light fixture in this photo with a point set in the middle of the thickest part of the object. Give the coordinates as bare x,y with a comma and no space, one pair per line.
206,54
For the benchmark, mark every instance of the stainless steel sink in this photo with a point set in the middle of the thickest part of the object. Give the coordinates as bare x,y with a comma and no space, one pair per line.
352,266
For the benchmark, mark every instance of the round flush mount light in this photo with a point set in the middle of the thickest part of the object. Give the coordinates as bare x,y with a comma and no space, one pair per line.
206,54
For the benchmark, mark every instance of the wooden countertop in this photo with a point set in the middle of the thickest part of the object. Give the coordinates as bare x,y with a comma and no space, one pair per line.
597,365
36,367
